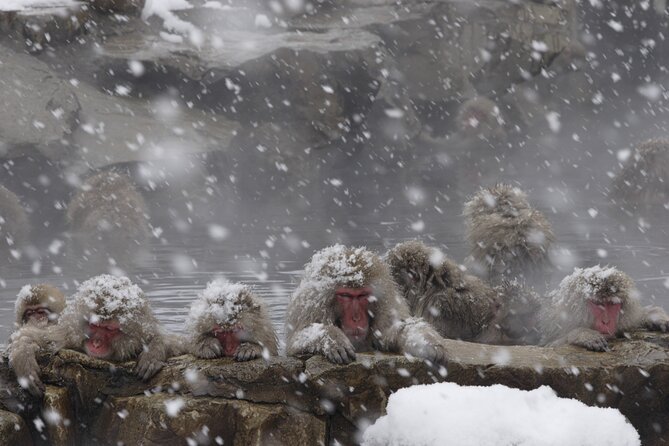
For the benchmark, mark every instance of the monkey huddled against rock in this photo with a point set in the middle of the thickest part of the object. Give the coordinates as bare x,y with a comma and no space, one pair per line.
347,302
108,318
228,319
459,305
509,239
595,304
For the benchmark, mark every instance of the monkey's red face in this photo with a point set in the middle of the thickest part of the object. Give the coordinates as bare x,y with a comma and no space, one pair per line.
101,335
353,303
228,338
36,314
605,316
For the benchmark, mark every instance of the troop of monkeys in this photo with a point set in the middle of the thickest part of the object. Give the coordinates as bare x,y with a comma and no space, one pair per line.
352,300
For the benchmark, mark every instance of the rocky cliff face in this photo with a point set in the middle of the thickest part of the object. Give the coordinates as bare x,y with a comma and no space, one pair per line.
345,71
295,401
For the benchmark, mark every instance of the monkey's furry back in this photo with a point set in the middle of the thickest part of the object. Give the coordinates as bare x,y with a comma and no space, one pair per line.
506,235
112,197
643,182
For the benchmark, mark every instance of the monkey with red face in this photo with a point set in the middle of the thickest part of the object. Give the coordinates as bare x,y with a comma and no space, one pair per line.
228,320
347,302
39,305
595,304
109,318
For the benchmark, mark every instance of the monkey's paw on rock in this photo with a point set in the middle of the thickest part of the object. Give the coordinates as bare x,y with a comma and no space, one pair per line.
310,400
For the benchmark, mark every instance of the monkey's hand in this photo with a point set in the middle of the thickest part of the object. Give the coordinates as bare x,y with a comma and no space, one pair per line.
419,339
590,339
656,319
208,347
23,360
336,347
149,362
248,351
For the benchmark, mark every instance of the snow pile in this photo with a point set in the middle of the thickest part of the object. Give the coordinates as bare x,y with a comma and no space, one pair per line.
221,301
20,5
447,413
109,297
339,264
164,10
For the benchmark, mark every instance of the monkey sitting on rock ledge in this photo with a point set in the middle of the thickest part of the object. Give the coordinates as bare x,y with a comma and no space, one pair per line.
347,302
228,320
109,318
595,304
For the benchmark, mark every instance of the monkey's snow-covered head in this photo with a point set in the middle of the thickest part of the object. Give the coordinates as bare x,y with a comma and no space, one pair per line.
106,297
597,284
220,303
340,265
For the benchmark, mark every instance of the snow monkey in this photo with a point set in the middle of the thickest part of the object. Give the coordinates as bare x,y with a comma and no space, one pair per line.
227,319
459,305
480,117
109,318
594,304
509,239
39,305
14,223
643,183
109,214
347,302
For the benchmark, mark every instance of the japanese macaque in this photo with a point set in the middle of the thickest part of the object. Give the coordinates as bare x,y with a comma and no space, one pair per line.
459,305
109,318
39,305
14,223
480,117
642,186
227,319
108,214
347,302
509,239
595,304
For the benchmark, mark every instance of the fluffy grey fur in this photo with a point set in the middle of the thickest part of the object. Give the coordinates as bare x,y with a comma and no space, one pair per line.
459,305
108,214
141,339
508,238
567,319
14,222
643,183
312,325
258,333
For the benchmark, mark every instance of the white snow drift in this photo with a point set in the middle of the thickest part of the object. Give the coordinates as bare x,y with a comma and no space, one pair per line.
449,414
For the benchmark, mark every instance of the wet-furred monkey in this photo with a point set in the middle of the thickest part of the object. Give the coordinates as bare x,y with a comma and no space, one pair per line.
108,318
593,305
347,302
228,319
